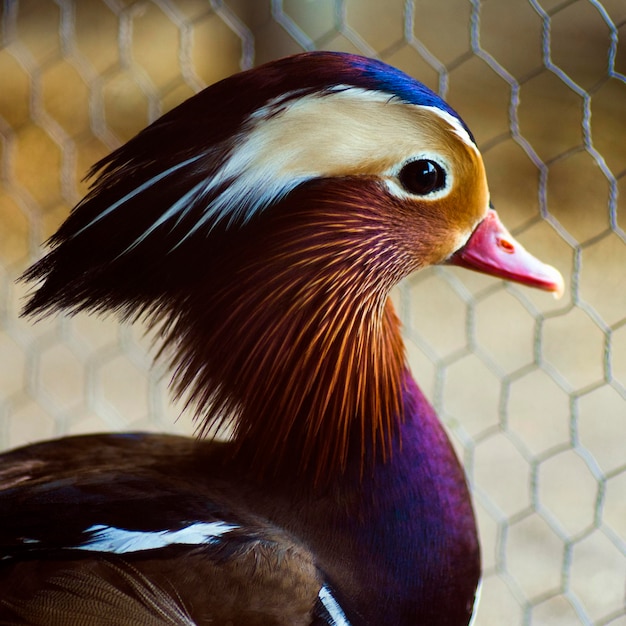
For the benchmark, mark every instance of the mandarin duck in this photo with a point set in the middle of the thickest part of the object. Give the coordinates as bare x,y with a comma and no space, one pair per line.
260,225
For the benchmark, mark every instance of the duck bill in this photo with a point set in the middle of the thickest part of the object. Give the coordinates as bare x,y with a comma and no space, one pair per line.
492,250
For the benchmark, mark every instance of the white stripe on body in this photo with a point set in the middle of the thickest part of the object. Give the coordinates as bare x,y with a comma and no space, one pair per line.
121,541
335,612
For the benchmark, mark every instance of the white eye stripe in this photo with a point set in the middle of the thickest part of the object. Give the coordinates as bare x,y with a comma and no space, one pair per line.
457,127
290,141
122,541
284,146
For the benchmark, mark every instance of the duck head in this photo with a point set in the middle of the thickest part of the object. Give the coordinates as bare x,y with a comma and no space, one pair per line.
263,222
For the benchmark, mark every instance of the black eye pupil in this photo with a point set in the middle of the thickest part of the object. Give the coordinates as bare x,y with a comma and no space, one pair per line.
422,177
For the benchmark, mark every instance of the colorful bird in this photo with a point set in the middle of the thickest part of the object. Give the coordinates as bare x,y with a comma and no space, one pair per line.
261,225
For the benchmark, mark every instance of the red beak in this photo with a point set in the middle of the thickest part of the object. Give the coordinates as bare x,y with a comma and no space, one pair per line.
491,249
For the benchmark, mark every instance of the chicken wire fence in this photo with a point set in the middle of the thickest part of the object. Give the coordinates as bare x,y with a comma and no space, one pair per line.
532,389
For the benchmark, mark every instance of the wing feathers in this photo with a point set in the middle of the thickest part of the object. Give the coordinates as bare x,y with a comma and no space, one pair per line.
110,595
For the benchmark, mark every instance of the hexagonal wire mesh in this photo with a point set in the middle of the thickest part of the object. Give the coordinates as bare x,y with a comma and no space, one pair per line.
533,390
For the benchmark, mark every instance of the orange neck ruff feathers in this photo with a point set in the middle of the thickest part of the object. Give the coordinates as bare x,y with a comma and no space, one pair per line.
295,339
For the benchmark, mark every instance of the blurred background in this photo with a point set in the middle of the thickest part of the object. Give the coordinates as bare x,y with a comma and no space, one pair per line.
532,389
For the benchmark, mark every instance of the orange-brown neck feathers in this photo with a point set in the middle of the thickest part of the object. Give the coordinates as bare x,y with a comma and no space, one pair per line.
295,337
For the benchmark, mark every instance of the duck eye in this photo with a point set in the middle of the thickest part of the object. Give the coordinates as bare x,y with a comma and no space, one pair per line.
422,177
